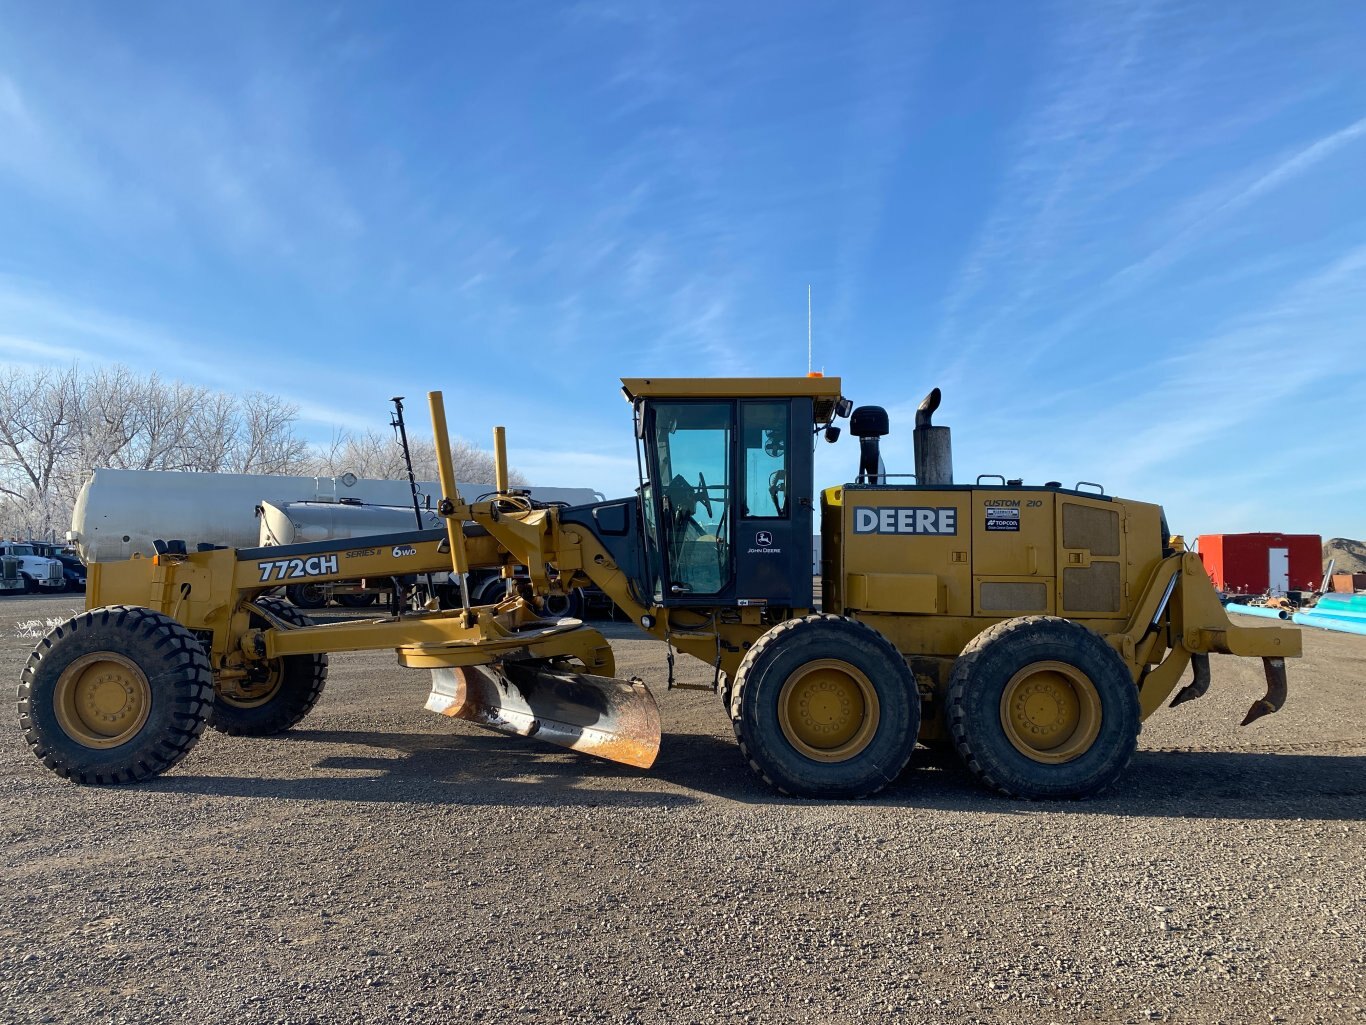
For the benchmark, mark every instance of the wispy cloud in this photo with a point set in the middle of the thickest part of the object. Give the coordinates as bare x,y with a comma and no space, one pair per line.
1097,201
147,155
1073,126
43,327
1227,406
1194,221
887,53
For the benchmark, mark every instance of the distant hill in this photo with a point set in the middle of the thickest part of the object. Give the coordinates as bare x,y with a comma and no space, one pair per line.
1350,555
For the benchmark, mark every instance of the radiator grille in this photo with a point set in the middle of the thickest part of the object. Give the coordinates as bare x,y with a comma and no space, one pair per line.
1014,596
1084,526
1094,589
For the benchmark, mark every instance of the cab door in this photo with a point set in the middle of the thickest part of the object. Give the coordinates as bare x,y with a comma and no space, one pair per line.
691,455
773,524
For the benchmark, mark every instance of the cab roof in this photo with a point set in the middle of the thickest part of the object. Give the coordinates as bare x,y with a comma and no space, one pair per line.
824,390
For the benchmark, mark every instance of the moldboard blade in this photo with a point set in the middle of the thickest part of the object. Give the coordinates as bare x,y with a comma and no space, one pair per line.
597,715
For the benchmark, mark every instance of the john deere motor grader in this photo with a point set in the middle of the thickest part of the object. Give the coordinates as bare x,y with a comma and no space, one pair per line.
1032,628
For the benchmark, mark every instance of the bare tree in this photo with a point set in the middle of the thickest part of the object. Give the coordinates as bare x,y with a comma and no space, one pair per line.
210,433
376,455
37,432
266,442
58,425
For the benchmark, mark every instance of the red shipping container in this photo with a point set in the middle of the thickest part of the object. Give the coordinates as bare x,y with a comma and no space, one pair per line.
1262,563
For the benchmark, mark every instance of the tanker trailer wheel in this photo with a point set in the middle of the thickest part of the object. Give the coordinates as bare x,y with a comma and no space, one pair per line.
357,601
824,706
1042,708
307,596
115,695
564,606
280,692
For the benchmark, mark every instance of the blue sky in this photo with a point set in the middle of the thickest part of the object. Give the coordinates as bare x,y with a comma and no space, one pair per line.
1128,240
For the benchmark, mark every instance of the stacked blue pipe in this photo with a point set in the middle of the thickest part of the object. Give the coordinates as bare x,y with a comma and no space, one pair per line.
1258,610
1336,612
1342,625
1354,602
1345,613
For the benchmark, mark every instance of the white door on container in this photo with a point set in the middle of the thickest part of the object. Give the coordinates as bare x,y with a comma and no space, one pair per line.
1278,570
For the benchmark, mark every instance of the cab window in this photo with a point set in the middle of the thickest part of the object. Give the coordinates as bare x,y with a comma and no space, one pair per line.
764,429
693,452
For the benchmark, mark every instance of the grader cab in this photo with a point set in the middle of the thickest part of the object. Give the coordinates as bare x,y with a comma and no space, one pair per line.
1031,628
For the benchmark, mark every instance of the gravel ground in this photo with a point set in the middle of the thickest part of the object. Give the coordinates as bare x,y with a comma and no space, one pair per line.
381,863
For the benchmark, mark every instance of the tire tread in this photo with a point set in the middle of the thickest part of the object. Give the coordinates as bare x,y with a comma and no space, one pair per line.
777,636
956,705
157,632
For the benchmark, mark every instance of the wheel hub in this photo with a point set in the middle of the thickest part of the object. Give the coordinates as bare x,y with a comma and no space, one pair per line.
102,699
1050,711
828,710
261,684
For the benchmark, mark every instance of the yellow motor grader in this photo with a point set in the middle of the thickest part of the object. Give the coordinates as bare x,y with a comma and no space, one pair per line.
1032,628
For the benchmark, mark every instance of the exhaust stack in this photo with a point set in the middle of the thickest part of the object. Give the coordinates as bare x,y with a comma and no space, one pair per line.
933,447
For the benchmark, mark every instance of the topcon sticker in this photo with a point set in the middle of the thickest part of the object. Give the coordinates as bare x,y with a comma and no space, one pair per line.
938,522
1003,519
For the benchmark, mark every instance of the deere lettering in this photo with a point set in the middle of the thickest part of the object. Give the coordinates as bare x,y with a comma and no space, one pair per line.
905,520
292,569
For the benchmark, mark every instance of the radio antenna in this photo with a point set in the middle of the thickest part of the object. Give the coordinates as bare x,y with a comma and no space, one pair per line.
808,330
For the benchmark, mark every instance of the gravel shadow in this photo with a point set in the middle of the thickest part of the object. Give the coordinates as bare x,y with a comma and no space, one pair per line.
492,770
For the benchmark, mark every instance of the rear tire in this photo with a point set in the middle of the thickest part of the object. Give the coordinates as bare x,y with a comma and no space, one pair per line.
286,691
825,706
115,695
1042,708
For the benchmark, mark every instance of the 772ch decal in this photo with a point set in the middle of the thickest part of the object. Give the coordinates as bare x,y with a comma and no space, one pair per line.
292,569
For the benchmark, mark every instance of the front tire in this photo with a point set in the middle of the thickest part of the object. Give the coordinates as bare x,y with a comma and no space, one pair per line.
1042,708
825,706
115,695
283,691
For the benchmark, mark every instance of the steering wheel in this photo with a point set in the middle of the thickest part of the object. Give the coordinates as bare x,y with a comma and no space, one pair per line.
702,495
777,485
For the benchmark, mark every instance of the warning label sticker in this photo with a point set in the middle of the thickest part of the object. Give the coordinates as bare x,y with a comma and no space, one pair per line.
1003,519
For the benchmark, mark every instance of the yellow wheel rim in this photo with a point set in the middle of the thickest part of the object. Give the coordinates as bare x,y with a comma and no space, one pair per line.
828,710
1051,712
102,700
253,693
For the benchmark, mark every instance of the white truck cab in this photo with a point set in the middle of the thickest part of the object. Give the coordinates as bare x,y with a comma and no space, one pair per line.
22,567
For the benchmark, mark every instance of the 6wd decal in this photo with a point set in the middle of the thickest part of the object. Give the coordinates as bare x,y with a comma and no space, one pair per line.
403,551
292,569
905,520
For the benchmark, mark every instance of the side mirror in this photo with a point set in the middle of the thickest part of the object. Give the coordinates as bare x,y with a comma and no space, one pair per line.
832,434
